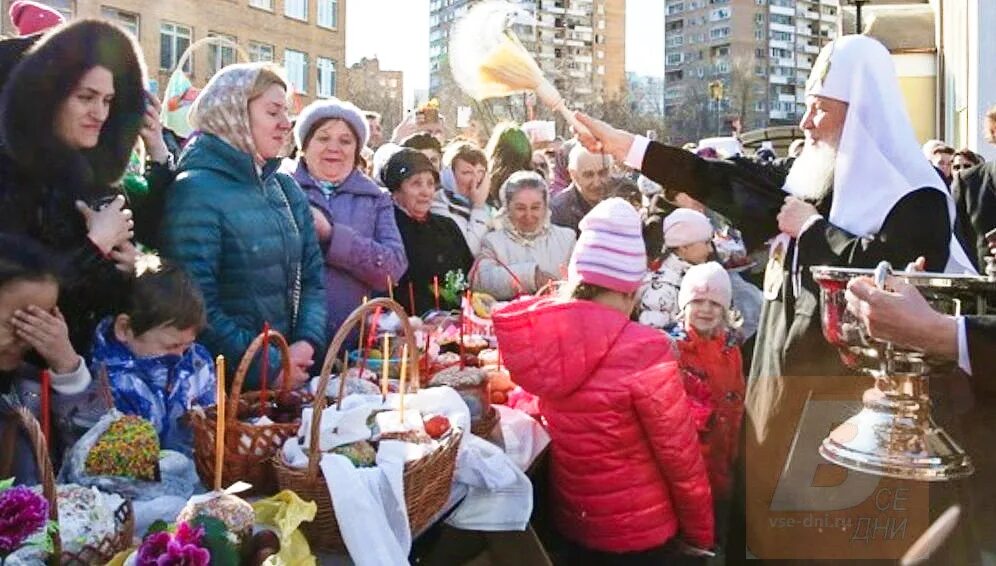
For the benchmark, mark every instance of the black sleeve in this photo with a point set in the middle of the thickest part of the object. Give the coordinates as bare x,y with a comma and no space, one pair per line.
981,334
918,225
149,207
750,195
975,196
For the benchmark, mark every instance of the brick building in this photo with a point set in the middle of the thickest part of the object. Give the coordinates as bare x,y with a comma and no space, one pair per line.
307,37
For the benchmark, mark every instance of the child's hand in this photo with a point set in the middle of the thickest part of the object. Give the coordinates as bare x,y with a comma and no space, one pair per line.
48,334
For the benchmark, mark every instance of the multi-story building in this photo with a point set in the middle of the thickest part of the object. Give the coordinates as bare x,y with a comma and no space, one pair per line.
761,50
373,88
580,44
306,36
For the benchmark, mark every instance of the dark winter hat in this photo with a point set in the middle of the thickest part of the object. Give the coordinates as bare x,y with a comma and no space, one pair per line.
32,17
404,164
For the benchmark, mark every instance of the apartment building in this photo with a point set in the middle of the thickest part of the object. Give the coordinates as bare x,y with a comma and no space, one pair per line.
307,37
761,50
580,44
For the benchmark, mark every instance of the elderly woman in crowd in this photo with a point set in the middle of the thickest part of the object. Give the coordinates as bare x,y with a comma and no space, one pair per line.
464,194
526,251
433,243
242,230
354,218
71,111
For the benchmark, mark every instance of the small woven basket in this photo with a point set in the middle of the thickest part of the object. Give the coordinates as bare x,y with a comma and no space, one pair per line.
249,448
100,552
426,481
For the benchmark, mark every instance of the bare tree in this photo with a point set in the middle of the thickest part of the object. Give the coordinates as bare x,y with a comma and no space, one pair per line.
364,86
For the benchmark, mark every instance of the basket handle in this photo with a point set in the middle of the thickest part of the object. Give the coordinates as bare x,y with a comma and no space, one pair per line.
240,373
338,341
22,417
476,269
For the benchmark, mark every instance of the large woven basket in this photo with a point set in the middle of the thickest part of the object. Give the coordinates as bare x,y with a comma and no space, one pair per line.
249,448
427,481
91,554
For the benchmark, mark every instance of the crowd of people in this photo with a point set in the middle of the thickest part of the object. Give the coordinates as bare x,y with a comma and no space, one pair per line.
662,315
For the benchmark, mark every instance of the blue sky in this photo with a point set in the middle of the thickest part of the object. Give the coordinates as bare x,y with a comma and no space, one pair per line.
397,31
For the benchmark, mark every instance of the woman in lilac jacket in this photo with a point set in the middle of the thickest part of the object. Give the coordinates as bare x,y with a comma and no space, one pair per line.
354,217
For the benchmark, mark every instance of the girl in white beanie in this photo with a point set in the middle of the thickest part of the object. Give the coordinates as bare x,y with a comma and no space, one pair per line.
711,361
687,241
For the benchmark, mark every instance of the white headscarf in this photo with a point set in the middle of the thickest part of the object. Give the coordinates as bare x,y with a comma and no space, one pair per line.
878,159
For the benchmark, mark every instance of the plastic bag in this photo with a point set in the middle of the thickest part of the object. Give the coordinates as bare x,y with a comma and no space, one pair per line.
285,512
177,474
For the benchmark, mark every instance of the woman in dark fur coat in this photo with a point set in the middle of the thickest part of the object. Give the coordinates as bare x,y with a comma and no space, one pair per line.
70,114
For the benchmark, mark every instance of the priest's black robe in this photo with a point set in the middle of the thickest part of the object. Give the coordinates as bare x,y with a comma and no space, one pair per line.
789,339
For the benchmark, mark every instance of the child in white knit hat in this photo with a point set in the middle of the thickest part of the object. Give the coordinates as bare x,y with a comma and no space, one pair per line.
687,242
711,361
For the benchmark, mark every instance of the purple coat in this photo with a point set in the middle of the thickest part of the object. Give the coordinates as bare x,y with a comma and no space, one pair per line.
365,248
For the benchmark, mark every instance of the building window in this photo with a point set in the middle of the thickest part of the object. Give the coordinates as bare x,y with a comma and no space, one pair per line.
328,13
782,19
674,58
174,39
716,33
326,77
759,106
64,7
719,14
674,41
127,20
675,8
781,36
260,52
723,67
220,55
296,63
297,9
264,4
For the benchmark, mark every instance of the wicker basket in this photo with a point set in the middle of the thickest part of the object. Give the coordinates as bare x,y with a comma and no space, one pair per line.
105,549
486,425
249,448
426,481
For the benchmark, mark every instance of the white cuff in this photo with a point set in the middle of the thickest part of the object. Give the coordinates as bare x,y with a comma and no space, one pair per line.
73,382
634,158
964,361
809,222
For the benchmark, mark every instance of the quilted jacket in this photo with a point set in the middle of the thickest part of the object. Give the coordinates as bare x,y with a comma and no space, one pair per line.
242,234
626,471
716,362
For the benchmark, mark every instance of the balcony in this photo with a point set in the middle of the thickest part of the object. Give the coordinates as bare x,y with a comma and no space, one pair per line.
779,80
783,10
787,28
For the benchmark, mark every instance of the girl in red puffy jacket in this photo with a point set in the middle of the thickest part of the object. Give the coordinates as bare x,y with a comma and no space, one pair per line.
628,481
710,358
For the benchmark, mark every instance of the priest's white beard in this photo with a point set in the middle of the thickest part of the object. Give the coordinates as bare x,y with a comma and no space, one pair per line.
811,176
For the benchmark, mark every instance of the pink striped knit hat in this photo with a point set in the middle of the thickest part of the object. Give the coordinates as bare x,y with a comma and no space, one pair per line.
610,252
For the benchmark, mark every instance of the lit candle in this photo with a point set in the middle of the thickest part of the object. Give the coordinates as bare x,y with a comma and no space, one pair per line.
384,365
435,289
219,433
411,298
390,288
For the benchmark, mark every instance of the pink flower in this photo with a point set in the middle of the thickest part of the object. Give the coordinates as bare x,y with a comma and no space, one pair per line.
178,549
23,513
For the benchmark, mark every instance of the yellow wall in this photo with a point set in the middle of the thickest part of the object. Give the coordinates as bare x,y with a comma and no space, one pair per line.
921,102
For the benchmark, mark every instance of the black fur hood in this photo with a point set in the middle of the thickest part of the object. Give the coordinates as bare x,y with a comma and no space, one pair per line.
43,79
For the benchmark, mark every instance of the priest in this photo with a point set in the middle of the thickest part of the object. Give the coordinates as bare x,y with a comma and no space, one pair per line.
860,192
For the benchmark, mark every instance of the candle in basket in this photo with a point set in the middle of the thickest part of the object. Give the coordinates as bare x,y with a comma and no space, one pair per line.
384,364
265,370
219,433
46,404
411,299
435,289
390,288
401,385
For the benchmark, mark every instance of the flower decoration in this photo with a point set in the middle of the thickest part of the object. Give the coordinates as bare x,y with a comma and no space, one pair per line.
23,518
180,548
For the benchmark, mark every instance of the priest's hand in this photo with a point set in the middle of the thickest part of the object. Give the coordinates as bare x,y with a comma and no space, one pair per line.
601,137
901,315
795,216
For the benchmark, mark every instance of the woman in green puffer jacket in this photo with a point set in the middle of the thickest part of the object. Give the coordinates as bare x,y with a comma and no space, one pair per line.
242,230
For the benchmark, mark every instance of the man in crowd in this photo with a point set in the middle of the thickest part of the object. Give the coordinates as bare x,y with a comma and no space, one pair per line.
428,145
974,191
589,174
940,155
376,129
859,193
